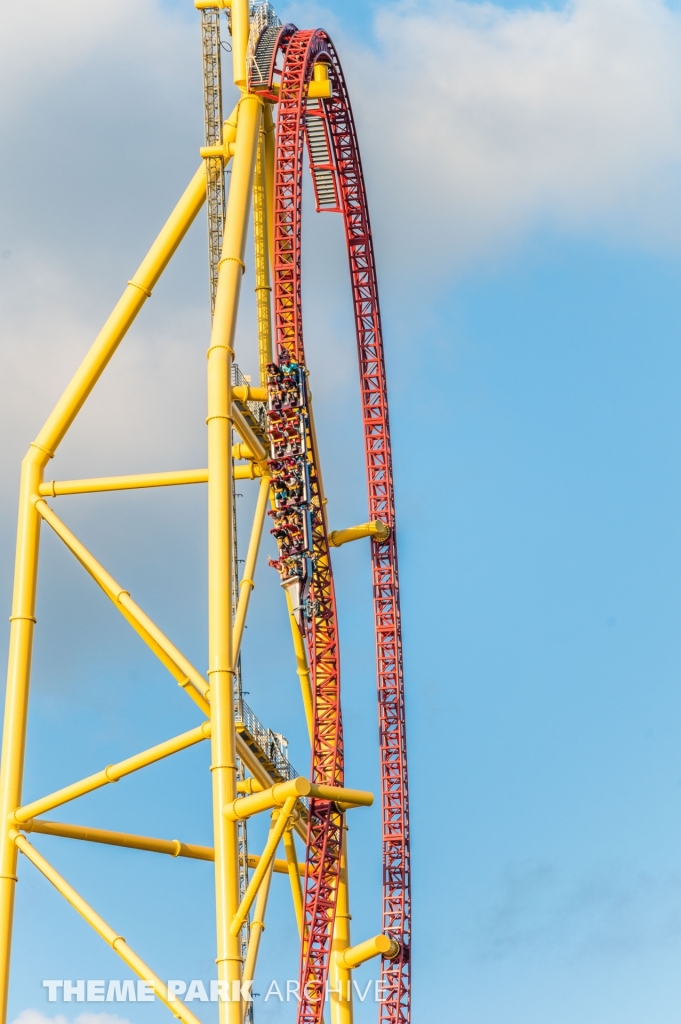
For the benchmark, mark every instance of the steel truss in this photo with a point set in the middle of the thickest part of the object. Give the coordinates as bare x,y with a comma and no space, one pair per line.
264,433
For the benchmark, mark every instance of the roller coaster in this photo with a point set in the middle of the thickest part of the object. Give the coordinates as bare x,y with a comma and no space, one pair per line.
293,101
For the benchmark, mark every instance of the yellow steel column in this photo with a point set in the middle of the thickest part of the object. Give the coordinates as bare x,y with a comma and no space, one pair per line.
340,978
220,652
302,668
16,701
28,528
269,154
247,583
240,28
263,287
258,922
128,306
294,877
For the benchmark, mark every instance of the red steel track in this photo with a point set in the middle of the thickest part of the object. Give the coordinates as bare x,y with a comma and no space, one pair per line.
339,187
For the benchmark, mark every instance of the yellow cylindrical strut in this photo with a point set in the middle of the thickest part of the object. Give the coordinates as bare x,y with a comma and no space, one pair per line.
247,583
376,529
269,132
380,945
258,922
340,979
275,796
294,874
266,859
302,668
240,28
220,418
263,288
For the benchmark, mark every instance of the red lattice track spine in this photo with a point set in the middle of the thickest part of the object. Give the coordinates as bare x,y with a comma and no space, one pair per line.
395,974
325,823
302,51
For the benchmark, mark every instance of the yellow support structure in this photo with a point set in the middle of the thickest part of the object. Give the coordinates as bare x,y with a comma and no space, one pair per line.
266,859
263,287
340,980
28,531
246,583
276,796
170,847
379,531
236,430
258,922
380,945
163,648
221,417
123,483
294,877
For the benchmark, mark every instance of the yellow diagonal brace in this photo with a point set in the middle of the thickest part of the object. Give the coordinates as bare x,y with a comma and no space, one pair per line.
246,585
174,660
127,308
257,925
294,878
112,773
28,530
266,858
117,942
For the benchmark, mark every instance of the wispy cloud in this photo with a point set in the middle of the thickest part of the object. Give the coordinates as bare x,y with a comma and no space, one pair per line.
478,122
605,911
36,1017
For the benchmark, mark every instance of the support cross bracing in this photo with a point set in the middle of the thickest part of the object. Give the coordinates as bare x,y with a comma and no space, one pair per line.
297,74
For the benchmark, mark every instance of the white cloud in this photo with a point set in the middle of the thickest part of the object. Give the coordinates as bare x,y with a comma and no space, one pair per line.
477,122
61,37
100,1018
36,1017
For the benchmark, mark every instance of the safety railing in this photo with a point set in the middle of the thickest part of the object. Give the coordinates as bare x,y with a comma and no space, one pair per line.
270,743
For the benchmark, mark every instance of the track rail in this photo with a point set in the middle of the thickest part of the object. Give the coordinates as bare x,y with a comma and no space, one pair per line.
339,185
325,823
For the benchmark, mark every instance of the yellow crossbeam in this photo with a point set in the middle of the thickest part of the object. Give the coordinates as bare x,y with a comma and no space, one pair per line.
170,847
53,488
174,478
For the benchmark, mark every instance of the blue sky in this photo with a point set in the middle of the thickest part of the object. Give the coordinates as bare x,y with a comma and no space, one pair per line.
522,165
